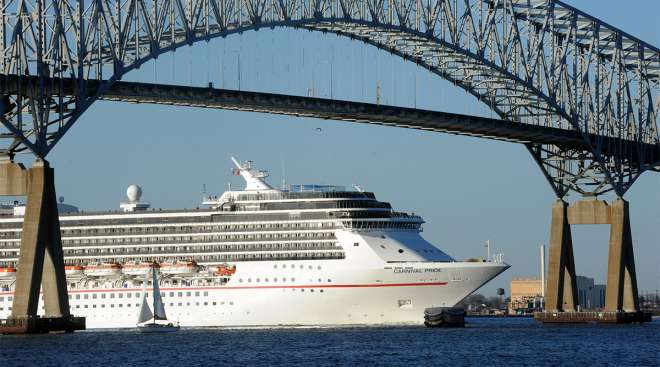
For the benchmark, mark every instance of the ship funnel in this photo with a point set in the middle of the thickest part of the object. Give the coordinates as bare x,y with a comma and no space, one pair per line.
255,180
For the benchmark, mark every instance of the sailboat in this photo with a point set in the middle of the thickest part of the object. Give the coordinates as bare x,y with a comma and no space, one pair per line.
147,320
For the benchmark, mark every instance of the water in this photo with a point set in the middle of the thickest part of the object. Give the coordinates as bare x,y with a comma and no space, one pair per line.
492,342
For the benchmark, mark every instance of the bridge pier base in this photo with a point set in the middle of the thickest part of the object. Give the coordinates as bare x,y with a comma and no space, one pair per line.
621,297
41,259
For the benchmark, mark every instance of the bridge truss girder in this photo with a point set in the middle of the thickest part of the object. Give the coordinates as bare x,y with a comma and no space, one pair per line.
533,62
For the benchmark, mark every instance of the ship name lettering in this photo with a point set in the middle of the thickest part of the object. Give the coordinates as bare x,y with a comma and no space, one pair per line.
413,270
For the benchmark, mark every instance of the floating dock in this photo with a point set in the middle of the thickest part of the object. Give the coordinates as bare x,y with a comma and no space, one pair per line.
42,325
582,317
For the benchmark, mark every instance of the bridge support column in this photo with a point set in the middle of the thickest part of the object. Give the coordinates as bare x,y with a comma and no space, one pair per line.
621,292
561,292
41,260
621,298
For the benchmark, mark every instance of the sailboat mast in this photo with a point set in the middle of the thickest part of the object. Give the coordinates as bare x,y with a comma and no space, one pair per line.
153,290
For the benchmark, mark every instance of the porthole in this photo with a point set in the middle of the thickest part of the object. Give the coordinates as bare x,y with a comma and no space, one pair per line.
400,251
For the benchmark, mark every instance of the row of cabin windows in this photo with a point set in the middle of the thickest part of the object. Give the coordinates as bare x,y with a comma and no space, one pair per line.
214,258
196,249
293,266
164,295
311,205
275,280
184,229
199,249
381,225
297,195
137,305
197,239
121,295
198,229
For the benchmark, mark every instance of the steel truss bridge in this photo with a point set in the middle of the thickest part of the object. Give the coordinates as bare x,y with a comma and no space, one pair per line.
583,96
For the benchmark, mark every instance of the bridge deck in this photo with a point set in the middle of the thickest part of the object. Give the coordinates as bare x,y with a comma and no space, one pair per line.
341,110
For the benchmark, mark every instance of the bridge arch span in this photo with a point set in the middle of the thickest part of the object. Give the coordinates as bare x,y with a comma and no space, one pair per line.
538,62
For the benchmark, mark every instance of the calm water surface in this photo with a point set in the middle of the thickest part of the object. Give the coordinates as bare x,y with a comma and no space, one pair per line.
485,342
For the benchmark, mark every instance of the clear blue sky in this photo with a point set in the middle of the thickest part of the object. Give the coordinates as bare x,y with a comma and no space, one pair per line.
468,190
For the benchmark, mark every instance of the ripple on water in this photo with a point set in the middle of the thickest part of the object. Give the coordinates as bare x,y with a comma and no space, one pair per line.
493,342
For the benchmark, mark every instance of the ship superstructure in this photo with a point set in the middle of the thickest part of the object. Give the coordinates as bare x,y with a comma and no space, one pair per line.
311,254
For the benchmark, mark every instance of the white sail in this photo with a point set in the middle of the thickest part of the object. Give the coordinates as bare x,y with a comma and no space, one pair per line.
145,313
159,307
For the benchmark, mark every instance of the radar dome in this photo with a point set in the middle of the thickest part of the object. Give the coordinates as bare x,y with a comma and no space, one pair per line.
134,192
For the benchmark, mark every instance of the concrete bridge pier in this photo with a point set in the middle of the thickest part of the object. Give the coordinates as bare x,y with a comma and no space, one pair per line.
621,293
621,297
561,293
41,259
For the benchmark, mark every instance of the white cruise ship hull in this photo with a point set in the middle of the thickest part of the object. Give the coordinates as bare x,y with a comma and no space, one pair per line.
395,293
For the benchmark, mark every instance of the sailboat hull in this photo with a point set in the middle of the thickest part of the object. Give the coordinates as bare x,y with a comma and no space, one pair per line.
157,328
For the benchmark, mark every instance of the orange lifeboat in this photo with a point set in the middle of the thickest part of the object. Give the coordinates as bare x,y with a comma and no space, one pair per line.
179,267
7,272
225,270
70,270
139,268
103,270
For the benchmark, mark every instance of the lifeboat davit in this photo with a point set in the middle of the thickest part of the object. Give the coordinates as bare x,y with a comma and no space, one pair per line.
225,270
102,270
72,270
180,267
138,268
7,272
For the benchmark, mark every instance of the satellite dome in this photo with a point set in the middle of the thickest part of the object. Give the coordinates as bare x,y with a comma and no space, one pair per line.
134,192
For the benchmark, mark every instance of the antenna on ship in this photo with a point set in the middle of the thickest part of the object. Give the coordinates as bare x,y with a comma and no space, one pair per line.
283,174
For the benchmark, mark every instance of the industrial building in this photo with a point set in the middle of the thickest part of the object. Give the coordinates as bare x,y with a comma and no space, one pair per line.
527,294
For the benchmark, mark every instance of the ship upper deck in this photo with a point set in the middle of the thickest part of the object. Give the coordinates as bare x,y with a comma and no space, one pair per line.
258,201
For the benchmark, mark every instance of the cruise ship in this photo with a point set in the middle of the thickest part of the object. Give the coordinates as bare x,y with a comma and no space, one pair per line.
261,256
